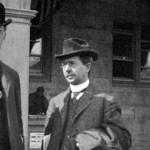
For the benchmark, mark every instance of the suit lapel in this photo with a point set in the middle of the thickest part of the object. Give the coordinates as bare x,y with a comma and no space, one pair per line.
84,101
65,108
5,84
5,79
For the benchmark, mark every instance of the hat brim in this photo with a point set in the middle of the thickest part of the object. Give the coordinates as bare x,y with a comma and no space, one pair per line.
87,52
7,22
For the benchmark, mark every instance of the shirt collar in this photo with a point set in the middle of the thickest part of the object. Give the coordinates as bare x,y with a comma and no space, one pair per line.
80,87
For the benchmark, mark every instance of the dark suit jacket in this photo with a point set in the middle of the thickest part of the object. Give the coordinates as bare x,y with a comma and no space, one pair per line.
95,111
12,100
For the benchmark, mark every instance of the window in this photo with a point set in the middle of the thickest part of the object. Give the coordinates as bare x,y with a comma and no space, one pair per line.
131,42
40,43
41,38
35,64
123,54
145,52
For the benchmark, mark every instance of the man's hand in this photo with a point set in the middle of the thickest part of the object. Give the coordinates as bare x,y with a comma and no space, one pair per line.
89,139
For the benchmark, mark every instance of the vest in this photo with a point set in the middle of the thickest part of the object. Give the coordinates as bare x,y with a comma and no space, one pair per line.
69,133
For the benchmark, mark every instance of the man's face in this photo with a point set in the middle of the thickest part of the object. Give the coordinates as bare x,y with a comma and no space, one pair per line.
74,70
2,35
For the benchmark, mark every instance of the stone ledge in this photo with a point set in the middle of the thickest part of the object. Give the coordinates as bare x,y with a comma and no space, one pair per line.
36,120
20,13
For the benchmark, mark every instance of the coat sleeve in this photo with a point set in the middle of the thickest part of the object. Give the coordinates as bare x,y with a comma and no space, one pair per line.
18,102
49,117
113,126
111,132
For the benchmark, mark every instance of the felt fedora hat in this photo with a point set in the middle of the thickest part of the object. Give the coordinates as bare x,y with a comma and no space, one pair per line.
3,22
76,47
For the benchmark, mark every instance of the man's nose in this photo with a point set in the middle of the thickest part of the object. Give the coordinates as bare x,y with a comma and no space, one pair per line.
67,67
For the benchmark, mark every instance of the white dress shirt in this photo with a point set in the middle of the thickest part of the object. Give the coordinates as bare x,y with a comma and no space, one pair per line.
78,88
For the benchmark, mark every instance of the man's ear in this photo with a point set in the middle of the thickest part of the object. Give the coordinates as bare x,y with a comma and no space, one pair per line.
88,66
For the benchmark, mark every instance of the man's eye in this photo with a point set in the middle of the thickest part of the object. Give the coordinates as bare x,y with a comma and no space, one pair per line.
71,63
63,64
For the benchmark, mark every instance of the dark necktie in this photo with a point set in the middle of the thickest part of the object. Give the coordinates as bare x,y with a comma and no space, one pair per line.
75,94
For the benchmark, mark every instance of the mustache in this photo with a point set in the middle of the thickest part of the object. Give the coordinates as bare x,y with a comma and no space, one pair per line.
70,75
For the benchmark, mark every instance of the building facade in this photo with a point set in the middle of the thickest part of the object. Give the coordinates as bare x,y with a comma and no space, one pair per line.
118,29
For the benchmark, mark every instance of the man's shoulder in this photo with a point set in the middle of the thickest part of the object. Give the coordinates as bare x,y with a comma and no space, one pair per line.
62,94
99,94
105,96
7,69
58,101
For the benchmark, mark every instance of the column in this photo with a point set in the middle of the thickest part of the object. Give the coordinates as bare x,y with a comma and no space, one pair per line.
15,51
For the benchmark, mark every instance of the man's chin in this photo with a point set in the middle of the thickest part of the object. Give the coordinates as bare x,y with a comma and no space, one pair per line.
71,81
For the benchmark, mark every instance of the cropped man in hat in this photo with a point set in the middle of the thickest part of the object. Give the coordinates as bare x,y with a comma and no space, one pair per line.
82,118
11,127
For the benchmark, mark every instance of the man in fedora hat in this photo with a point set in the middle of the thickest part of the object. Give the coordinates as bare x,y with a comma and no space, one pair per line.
11,127
81,118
